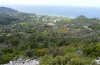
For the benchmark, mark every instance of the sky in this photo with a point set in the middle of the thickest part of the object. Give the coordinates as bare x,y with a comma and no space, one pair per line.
84,3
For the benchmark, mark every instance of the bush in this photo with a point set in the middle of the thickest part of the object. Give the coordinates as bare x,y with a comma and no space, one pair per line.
5,58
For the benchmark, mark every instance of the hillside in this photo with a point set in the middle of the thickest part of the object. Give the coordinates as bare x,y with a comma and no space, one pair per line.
54,40
7,10
10,16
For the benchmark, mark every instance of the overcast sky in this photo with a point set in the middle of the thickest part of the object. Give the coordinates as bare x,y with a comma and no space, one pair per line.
86,3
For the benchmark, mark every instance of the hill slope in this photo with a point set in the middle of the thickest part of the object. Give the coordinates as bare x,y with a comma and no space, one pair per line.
7,10
55,40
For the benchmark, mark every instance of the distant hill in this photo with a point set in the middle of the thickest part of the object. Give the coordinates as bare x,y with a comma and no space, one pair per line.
7,10
9,15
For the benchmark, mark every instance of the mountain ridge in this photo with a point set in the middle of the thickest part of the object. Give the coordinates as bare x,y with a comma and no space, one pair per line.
7,10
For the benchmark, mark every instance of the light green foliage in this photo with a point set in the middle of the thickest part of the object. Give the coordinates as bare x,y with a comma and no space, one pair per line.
68,59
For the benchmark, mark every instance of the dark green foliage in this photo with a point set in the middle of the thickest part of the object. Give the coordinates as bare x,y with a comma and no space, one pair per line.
92,50
29,53
6,19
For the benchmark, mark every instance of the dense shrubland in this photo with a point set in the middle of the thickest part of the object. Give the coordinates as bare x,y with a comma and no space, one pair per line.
54,40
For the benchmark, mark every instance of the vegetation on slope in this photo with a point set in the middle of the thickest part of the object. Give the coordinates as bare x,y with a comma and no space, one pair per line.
53,40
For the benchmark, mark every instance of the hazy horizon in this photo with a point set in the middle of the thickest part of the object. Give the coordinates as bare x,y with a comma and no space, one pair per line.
71,8
58,10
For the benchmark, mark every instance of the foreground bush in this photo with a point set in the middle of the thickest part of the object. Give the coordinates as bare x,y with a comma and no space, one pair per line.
68,59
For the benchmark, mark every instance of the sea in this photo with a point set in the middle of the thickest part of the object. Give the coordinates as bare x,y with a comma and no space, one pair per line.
69,11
